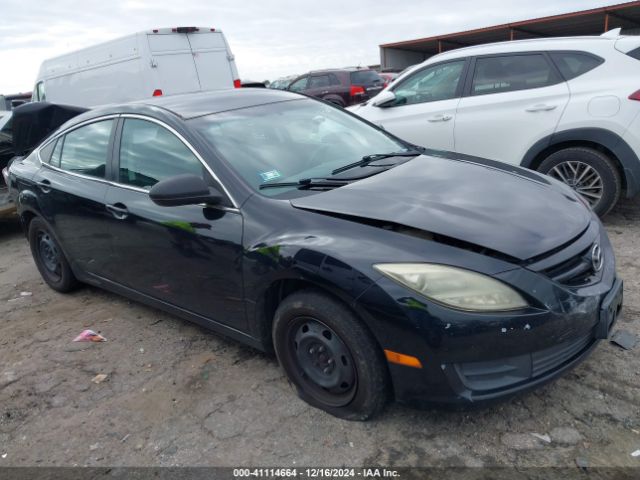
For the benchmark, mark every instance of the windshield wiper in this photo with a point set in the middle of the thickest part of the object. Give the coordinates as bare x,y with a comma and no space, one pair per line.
306,183
367,159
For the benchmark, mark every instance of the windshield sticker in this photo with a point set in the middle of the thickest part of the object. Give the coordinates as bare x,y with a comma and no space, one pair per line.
270,175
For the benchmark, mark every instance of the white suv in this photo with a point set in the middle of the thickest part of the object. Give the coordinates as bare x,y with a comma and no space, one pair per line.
568,107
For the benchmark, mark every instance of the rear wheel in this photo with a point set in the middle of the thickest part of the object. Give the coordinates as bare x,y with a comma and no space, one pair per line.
329,356
589,172
49,258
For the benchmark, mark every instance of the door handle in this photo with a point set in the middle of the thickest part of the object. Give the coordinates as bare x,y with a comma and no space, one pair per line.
118,210
441,118
44,185
541,108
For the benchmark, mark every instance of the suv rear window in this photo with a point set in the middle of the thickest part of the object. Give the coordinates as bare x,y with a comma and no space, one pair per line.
635,53
365,77
574,64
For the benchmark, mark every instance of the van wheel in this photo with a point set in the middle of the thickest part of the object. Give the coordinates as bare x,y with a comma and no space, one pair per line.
330,358
589,172
50,260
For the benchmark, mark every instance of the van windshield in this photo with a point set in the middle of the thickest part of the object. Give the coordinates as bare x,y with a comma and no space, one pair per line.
292,140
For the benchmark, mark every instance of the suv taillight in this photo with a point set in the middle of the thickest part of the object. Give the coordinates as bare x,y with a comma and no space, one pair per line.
356,90
237,83
635,96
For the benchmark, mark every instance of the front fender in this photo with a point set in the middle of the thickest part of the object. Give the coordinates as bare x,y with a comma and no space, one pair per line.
268,266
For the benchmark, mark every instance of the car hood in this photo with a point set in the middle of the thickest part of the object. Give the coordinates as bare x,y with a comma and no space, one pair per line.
493,205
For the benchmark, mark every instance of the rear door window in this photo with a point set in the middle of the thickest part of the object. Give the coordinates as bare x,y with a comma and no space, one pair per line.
86,149
150,153
319,81
574,64
510,73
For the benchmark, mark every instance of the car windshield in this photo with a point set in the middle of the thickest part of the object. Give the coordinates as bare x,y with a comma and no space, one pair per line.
290,141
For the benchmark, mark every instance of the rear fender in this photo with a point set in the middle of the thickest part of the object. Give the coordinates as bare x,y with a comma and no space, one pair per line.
629,162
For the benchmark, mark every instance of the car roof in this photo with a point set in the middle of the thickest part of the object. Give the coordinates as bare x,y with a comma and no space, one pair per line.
192,105
532,44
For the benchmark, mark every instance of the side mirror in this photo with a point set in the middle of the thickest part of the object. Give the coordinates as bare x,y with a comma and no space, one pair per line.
183,190
384,99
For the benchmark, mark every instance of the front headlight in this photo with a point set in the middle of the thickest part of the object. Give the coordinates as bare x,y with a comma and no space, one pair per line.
454,287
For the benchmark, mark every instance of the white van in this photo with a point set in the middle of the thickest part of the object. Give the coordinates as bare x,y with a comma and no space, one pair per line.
163,61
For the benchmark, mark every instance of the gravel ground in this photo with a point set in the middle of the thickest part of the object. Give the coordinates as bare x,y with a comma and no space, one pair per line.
177,395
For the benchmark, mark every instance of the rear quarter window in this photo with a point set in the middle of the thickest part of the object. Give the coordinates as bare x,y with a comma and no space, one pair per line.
574,64
635,53
57,152
47,150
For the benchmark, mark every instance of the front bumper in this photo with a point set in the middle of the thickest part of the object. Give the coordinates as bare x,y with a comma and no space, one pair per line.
470,358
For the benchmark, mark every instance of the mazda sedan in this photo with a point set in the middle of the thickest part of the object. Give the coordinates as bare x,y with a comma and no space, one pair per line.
374,269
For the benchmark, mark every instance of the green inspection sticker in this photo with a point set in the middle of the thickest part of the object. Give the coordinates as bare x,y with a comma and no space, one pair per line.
270,175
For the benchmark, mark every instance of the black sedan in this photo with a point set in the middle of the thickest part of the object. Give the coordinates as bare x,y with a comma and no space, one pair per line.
373,269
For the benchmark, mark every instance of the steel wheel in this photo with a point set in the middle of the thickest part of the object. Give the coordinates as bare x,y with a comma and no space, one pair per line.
324,362
583,178
329,356
49,255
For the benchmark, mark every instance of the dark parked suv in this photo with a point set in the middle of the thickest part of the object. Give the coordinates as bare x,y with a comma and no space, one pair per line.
343,87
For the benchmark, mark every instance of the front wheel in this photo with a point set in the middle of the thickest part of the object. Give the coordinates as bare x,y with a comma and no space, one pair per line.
589,172
329,356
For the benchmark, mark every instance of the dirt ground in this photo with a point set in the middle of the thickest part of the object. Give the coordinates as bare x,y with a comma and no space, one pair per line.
177,395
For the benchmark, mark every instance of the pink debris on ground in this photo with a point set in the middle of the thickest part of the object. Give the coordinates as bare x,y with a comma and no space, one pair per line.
89,336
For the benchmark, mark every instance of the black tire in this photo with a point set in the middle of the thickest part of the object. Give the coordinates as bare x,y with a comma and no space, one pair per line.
600,163
49,258
357,385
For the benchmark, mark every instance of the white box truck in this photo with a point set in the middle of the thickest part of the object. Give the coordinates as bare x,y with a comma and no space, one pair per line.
163,61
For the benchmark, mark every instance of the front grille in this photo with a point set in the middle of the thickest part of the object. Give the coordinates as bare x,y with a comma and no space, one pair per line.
507,372
571,264
576,271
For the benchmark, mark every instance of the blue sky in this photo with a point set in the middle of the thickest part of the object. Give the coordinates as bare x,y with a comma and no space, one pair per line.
269,38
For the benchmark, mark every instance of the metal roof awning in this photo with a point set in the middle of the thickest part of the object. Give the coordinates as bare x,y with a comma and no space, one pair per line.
587,22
